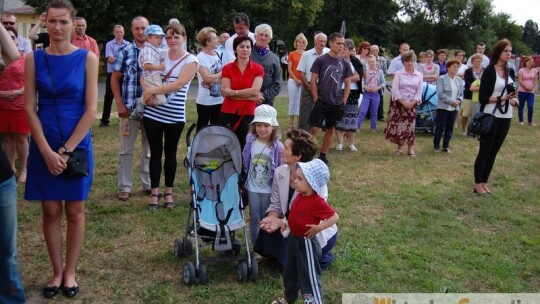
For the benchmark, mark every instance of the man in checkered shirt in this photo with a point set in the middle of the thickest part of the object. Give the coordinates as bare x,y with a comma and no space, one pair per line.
126,87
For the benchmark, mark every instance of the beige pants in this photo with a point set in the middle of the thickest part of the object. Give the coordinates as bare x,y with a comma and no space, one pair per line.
155,81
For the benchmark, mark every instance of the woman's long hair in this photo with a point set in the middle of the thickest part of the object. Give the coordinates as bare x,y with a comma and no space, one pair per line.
498,49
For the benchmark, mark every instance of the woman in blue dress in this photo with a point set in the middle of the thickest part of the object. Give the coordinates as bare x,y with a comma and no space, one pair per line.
65,79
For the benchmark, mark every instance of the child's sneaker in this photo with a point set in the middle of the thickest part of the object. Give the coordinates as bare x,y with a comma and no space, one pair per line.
280,301
353,148
339,147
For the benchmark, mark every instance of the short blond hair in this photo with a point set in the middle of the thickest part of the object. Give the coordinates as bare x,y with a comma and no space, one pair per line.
203,36
299,37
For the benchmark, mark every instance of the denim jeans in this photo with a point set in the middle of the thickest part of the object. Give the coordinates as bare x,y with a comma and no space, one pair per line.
11,289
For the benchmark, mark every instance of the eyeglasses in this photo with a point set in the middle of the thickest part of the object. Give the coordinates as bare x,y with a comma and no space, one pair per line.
8,23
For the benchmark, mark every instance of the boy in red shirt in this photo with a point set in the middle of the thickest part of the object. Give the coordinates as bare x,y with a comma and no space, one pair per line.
309,215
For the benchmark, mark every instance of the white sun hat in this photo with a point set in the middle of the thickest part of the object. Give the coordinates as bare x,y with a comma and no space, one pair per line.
267,114
316,173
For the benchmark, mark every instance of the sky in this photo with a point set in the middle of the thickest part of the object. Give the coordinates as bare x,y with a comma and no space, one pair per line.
520,10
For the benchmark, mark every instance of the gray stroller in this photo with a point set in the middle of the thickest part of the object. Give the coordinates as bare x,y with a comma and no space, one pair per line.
214,165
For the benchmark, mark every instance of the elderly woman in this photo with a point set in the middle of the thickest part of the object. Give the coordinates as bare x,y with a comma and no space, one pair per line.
495,99
300,146
406,95
429,70
450,93
470,76
294,85
13,124
348,124
528,80
163,124
241,85
262,55
209,97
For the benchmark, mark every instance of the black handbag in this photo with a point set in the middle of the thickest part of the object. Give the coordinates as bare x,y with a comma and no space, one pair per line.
77,163
481,124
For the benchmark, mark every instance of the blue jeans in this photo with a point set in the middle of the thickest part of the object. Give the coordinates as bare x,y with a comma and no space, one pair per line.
11,289
529,98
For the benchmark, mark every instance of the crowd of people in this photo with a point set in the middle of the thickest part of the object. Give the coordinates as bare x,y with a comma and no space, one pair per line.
52,94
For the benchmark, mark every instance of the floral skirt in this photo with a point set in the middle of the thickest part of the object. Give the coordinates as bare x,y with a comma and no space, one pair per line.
349,122
400,124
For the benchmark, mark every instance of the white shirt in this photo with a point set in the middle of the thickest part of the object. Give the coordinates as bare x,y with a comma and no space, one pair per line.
213,65
259,174
229,52
499,86
307,59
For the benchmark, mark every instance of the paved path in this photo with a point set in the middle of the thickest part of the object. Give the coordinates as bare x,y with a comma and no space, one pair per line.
192,93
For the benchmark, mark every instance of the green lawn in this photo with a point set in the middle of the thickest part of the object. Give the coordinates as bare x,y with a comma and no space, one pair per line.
406,225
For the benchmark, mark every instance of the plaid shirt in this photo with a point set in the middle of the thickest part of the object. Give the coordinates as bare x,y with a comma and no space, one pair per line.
127,63
150,54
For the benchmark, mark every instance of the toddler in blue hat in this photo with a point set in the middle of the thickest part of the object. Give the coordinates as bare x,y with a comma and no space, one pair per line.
151,60
309,215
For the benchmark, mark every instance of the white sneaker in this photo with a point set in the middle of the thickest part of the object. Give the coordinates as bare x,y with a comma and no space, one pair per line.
339,147
353,148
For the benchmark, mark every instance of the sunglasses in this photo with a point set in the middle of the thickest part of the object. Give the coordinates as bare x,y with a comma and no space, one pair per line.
8,23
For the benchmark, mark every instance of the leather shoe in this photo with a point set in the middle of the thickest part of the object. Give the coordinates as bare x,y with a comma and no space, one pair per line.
72,291
123,196
50,291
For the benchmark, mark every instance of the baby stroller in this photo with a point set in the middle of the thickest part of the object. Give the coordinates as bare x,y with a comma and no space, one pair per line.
426,112
214,164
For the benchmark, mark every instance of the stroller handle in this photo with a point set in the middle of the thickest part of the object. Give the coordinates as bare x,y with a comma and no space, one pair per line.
188,135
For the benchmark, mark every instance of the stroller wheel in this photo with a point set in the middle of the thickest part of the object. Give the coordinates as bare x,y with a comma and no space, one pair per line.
242,271
182,247
254,270
201,273
189,273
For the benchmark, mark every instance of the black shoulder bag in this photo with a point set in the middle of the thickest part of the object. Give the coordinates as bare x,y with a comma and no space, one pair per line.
481,122
77,163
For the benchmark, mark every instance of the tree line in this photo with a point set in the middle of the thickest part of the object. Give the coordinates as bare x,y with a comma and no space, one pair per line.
424,24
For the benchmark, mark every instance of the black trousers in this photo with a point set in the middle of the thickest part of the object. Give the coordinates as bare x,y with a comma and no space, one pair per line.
444,125
490,145
237,123
107,100
207,114
162,137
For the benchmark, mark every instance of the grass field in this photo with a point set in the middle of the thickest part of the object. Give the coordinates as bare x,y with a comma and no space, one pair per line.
406,225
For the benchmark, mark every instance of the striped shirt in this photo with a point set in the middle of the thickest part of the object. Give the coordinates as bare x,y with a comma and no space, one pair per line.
174,110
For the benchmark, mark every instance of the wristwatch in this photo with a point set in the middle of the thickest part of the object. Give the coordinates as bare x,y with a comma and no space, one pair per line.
64,151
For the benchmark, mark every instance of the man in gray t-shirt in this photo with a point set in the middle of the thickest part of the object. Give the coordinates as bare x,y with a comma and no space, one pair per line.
330,86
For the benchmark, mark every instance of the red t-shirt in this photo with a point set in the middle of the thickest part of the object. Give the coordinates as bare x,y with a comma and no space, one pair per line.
240,81
311,209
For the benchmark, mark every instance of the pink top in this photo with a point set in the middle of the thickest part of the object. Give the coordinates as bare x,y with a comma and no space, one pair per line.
13,79
528,78
407,86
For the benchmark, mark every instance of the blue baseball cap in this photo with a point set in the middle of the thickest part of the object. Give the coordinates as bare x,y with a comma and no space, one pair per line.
153,29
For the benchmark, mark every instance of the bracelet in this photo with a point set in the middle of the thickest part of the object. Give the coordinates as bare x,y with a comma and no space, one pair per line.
65,152
499,99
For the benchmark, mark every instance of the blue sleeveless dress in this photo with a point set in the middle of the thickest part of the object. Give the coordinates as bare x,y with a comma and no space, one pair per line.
69,78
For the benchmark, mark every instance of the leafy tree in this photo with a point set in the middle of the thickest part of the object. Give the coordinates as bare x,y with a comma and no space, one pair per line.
531,36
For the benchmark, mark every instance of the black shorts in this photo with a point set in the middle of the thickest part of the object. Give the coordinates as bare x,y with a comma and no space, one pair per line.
325,114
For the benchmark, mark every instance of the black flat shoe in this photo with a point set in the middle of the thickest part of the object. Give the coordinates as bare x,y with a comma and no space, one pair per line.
71,292
51,291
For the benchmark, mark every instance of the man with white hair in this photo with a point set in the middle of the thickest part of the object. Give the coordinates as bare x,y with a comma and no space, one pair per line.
262,55
241,27
304,67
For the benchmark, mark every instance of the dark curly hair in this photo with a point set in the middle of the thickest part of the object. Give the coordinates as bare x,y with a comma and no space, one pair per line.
303,144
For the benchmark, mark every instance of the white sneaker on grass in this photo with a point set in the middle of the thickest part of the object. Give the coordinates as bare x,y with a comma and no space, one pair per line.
339,147
353,148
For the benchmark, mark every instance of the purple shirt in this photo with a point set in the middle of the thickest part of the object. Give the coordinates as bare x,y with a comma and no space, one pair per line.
407,86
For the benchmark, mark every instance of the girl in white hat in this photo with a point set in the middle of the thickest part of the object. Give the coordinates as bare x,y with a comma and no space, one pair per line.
261,156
